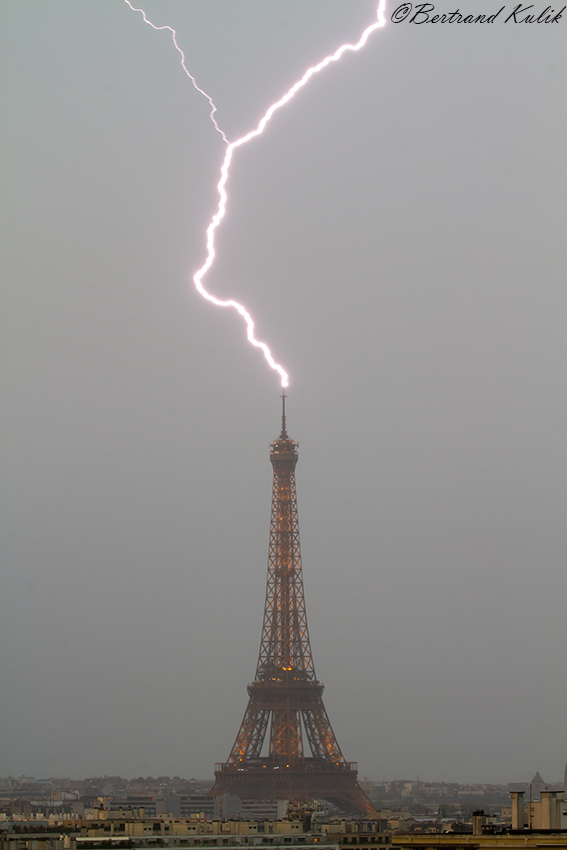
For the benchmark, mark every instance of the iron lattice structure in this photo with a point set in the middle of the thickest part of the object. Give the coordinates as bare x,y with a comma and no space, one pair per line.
285,694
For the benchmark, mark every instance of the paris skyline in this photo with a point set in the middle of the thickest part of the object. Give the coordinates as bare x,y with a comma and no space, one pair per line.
396,237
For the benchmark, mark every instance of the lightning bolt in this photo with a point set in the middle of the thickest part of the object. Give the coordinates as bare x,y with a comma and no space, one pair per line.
225,168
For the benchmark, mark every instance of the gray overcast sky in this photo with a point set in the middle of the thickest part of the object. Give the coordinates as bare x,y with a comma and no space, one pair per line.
398,235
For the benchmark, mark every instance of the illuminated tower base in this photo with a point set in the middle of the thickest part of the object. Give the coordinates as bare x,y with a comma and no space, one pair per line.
286,693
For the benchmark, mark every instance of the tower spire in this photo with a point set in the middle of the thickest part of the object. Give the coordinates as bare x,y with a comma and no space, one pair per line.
302,759
283,435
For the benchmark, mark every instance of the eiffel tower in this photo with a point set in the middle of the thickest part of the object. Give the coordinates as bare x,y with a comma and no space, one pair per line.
286,693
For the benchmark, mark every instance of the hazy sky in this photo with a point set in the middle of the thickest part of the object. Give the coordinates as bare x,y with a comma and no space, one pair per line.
398,234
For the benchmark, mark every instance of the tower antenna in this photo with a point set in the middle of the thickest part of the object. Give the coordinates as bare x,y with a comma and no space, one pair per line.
283,435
